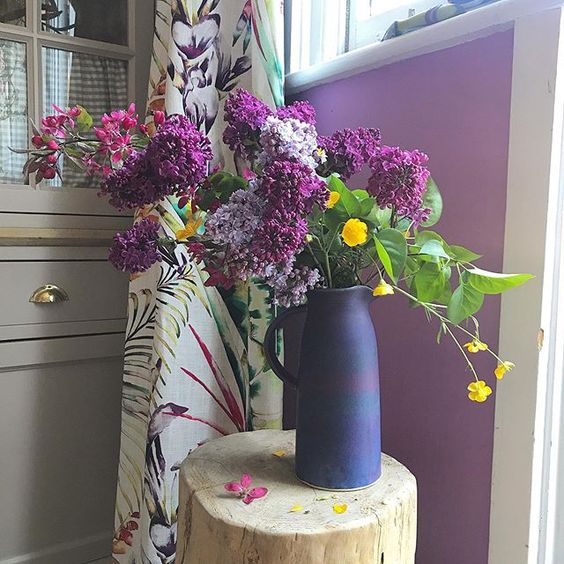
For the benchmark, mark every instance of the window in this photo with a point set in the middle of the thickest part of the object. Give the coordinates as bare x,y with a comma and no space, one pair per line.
62,52
323,29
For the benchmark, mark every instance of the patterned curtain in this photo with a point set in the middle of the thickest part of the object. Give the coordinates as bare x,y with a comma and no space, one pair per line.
194,368
434,15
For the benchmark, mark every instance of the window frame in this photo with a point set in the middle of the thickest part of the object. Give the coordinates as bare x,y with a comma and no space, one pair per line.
40,198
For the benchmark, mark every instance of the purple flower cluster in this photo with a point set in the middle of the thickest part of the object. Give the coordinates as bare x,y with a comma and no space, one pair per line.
245,115
235,222
288,140
259,232
132,185
179,153
302,111
290,285
399,180
175,160
348,150
278,239
135,250
292,187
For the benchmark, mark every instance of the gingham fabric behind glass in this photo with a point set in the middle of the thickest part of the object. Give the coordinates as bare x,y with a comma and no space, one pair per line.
97,83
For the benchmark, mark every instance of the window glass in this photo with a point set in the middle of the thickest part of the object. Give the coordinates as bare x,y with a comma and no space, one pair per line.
13,110
370,19
97,83
101,20
323,29
12,12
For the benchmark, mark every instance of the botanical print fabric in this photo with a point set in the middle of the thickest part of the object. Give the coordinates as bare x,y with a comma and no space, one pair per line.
194,368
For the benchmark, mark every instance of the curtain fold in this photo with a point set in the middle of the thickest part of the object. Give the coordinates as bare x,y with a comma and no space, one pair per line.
194,368
432,16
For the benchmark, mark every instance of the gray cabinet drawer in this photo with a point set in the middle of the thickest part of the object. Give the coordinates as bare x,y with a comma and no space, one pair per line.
59,439
96,292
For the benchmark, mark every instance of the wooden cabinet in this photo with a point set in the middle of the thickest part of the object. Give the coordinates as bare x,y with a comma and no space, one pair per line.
60,381
59,438
61,363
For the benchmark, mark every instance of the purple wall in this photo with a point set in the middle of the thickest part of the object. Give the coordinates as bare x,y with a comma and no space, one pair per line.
454,105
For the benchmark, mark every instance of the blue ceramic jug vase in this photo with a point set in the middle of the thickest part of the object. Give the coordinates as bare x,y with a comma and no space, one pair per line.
338,393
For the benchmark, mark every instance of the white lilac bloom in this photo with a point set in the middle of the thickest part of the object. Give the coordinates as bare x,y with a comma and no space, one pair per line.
291,284
288,139
235,222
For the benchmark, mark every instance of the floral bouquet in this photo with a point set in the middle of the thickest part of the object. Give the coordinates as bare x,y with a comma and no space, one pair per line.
287,216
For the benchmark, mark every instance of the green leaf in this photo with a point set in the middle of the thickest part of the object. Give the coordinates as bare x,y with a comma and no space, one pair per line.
421,237
433,200
360,194
430,282
462,254
366,207
495,282
384,258
465,301
411,266
434,248
348,200
379,217
395,245
84,120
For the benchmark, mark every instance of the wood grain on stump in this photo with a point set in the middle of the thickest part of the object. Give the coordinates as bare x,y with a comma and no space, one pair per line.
216,527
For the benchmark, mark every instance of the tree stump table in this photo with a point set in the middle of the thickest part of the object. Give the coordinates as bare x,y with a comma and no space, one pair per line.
294,523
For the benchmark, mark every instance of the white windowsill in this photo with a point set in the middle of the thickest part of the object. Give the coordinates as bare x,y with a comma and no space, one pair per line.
460,29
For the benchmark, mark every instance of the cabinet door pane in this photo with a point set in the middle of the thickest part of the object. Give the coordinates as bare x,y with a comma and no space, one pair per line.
13,110
97,83
12,12
101,20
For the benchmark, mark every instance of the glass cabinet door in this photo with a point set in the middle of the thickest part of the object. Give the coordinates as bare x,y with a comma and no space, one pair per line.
63,53
100,20
13,110
97,83
13,12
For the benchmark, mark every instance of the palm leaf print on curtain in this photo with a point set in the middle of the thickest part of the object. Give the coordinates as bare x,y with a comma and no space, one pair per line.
194,368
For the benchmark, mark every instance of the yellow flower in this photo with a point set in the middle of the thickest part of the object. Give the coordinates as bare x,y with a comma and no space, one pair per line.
190,229
383,289
476,346
503,368
479,391
340,507
355,232
334,197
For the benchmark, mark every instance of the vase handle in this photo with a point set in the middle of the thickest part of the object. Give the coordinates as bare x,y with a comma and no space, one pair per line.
270,345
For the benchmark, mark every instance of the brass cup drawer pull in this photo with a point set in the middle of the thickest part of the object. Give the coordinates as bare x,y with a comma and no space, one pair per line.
49,294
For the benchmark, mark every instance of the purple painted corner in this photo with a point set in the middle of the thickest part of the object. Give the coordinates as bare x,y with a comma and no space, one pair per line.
454,105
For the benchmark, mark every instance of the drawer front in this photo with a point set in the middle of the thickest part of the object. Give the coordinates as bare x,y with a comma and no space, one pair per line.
95,290
59,435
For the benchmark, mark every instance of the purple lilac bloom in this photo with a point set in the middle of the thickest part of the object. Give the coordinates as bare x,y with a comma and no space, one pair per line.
399,180
302,111
179,154
132,185
293,187
280,237
235,222
135,250
288,140
290,285
245,115
348,150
